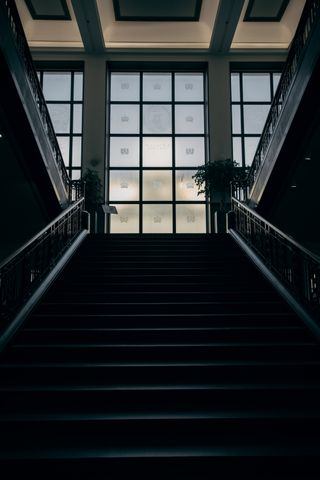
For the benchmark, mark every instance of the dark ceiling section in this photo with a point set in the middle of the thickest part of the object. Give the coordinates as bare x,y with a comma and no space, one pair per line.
48,9
156,11
265,10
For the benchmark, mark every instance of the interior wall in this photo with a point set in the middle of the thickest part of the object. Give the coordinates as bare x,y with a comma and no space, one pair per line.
22,214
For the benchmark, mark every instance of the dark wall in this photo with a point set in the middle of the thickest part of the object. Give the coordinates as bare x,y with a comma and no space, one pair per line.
22,214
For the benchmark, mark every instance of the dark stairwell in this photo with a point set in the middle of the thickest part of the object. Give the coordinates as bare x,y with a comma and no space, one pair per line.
161,355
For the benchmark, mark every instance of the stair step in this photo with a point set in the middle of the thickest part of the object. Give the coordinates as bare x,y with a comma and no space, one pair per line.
165,353
157,375
186,320
152,435
57,399
161,297
160,335
168,307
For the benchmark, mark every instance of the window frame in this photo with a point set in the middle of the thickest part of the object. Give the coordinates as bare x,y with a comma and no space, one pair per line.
271,69
156,69
73,68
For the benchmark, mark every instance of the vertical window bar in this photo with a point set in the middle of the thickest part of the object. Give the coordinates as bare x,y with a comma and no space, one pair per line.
173,166
141,156
242,121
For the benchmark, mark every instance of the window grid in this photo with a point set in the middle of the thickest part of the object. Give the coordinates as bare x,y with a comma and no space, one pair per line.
141,168
73,165
243,137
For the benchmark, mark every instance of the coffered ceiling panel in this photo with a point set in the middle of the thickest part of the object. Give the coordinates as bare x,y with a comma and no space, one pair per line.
161,10
158,33
265,34
265,11
50,32
48,9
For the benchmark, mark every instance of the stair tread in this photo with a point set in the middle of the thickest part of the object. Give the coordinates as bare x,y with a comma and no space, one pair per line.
172,415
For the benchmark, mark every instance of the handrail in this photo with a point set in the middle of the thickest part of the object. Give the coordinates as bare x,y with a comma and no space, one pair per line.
293,264
304,30
23,271
10,10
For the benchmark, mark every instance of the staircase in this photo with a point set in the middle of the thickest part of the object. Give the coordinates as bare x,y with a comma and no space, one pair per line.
159,356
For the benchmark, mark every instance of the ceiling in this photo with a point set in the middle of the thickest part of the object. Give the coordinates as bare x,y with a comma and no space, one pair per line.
218,26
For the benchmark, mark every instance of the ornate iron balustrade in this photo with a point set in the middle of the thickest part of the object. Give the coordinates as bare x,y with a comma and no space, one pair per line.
76,190
10,10
309,16
295,266
240,190
22,273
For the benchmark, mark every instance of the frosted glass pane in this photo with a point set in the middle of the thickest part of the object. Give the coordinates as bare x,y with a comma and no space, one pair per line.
57,86
190,151
157,151
78,86
191,218
127,220
157,185
76,174
76,151
124,151
77,118
237,150
60,116
276,79
186,189
64,147
157,87
189,119
236,121
255,117
124,119
250,147
125,87
256,87
235,87
157,119
124,185
157,218
189,87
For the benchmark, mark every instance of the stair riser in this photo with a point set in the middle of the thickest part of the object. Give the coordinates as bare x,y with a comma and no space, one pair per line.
158,297
167,354
159,376
163,308
232,320
160,337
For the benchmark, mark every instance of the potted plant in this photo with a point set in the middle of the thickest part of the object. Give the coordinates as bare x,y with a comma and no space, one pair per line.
214,180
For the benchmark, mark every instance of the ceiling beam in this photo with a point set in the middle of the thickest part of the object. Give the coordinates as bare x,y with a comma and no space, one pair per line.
88,20
225,25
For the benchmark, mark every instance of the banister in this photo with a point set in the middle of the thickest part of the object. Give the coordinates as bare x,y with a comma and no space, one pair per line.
39,234
10,11
295,266
23,271
299,45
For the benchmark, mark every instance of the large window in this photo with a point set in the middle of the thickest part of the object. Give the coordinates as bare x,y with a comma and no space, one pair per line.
63,92
251,95
156,141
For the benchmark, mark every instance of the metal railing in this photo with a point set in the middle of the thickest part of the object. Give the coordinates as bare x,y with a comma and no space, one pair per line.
240,190
308,19
22,273
10,10
296,267
76,190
